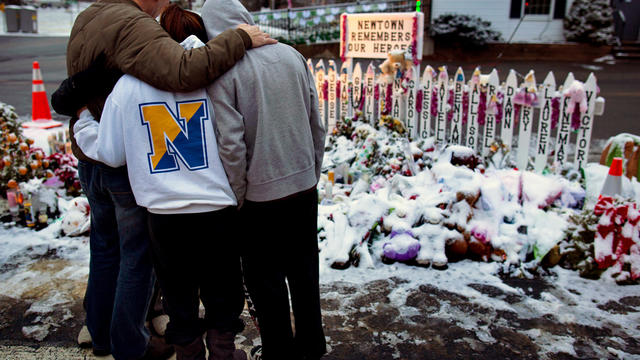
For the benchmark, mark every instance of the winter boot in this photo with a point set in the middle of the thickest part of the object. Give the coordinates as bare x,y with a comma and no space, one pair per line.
193,351
222,347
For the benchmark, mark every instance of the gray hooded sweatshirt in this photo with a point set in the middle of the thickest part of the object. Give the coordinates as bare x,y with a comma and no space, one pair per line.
270,135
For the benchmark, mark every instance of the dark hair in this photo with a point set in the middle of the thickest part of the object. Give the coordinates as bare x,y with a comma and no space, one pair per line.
180,23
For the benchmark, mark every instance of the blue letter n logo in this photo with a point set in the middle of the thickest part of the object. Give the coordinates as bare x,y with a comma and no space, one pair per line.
176,137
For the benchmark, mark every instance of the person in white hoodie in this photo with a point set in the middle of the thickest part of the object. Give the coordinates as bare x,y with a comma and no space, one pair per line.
271,142
168,144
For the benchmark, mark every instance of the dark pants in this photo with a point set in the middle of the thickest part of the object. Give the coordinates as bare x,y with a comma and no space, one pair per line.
281,244
196,258
120,269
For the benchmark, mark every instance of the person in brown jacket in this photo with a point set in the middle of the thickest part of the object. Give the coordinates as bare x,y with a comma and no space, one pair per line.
125,34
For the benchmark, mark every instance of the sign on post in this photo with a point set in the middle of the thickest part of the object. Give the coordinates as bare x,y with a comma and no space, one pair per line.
374,35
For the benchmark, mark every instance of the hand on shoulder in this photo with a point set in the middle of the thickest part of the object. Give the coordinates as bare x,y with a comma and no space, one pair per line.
258,38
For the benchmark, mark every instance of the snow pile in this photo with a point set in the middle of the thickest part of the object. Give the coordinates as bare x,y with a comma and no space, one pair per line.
47,270
396,200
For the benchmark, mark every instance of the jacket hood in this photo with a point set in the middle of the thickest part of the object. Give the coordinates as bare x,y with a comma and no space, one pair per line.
221,15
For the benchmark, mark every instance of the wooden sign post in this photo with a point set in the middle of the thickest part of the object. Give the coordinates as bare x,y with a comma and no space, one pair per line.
425,114
333,101
456,122
345,72
322,102
509,110
586,124
356,89
396,97
490,112
526,122
564,126
472,117
544,124
412,92
369,86
442,89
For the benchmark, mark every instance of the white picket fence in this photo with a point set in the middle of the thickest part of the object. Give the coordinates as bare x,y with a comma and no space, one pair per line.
494,109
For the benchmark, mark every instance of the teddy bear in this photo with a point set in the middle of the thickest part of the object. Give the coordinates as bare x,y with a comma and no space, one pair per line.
396,60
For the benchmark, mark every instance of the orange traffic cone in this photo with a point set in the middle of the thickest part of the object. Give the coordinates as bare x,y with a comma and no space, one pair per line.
613,183
41,114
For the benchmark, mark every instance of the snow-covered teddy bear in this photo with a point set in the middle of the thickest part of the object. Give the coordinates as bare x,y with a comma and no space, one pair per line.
77,218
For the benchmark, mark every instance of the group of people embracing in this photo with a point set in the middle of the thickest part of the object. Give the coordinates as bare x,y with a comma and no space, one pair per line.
200,147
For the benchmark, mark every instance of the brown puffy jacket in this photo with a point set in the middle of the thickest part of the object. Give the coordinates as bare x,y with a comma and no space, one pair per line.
136,44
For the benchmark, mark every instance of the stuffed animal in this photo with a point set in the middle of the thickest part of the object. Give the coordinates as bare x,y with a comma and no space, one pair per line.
77,219
578,96
396,60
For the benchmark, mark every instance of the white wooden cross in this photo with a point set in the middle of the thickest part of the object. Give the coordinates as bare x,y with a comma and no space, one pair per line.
427,91
472,116
370,104
544,123
456,122
525,123
443,97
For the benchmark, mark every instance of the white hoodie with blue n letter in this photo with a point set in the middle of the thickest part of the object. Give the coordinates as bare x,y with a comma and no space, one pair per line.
167,141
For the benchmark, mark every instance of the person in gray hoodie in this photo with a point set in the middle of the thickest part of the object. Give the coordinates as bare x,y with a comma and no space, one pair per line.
271,143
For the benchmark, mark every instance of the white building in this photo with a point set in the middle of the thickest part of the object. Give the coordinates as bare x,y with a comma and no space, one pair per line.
528,21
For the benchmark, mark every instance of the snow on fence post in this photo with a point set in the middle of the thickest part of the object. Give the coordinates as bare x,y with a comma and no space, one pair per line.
528,95
333,111
412,115
356,88
472,117
345,72
508,109
586,123
564,125
490,112
322,102
443,97
370,104
544,124
425,114
456,121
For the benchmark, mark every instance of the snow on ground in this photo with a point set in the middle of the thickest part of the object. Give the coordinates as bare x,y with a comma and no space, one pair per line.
47,271
50,273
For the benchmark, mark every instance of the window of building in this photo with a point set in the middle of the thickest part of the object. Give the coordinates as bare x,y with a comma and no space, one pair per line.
537,7
555,8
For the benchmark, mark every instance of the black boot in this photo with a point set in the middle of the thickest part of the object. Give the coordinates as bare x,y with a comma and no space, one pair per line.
193,351
222,347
